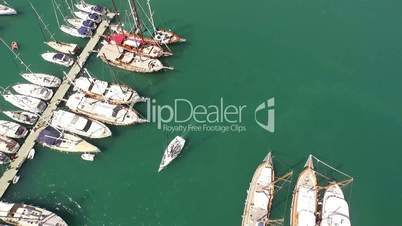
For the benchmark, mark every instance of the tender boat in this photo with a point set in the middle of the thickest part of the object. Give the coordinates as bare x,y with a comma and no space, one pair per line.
33,90
260,195
101,111
118,57
58,58
136,46
65,142
172,151
5,10
88,157
103,91
8,145
82,32
88,16
31,154
335,209
24,215
42,79
4,159
304,201
12,129
70,122
67,48
77,23
88,8
22,116
167,37
26,103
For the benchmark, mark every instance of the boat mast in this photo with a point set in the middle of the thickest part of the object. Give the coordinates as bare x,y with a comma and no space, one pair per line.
16,55
134,13
55,13
151,15
40,19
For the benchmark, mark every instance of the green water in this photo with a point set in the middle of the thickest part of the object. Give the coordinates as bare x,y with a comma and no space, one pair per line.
334,70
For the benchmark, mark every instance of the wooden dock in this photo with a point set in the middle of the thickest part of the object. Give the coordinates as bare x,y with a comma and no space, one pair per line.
8,176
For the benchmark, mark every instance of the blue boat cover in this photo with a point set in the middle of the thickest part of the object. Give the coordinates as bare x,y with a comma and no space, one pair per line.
58,56
94,16
83,31
98,9
88,23
49,136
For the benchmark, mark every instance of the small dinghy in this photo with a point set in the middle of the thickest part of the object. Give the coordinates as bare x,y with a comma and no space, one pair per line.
103,91
335,209
33,90
24,215
58,58
4,159
77,23
304,200
88,16
5,10
88,157
67,48
22,116
26,103
42,79
16,178
79,125
172,151
8,145
64,142
101,111
12,129
88,8
31,154
81,32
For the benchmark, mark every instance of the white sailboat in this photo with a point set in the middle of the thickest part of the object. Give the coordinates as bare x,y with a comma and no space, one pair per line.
104,91
88,16
58,58
67,48
304,201
8,145
79,125
5,10
65,142
77,23
172,151
12,129
81,32
33,90
42,79
335,209
26,103
101,111
260,195
88,8
27,215
22,116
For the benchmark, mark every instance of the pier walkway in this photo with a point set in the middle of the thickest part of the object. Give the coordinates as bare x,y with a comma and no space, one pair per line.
8,176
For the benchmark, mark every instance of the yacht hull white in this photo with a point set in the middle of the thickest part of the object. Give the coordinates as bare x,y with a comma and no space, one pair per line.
33,90
76,32
12,129
41,79
22,116
173,150
67,48
5,10
58,58
8,145
335,209
26,103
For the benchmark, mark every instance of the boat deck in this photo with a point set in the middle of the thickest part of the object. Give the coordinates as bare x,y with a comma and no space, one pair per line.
8,176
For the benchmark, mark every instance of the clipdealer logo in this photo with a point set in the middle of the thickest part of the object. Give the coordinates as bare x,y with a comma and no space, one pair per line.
270,122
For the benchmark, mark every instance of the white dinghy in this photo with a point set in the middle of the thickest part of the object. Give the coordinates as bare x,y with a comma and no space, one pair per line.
88,16
58,58
81,32
5,10
77,23
42,79
26,103
67,48
12,129
79,125
335,209
65,142
104,112
88,157
22,116
27,215
103,91
304,201
33,90
8,145
172,151
88,8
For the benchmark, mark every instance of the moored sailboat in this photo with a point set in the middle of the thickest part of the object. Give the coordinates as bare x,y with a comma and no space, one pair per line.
24,215
33,90
5,10
173,150
304,200
67,48
22,116
26,103
77,23
81,32
260,195
89,8
8,145
12,129
42,79
65,142
88,16
101,111
335,209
